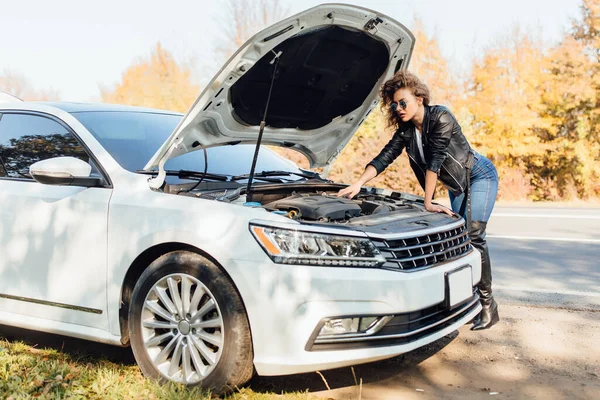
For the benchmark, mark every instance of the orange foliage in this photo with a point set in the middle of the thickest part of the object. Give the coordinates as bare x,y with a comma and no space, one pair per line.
535,111
157,82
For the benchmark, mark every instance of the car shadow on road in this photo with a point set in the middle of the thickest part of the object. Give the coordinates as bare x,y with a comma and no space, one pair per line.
344,377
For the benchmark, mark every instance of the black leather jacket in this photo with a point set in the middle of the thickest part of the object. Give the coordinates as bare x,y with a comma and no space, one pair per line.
446,149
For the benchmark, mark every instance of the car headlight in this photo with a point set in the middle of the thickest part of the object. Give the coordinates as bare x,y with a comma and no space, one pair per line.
286,246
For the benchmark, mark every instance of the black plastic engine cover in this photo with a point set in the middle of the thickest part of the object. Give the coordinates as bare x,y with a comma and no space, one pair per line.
318,207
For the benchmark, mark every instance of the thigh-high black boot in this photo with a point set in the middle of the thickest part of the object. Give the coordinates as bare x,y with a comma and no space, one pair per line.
489,313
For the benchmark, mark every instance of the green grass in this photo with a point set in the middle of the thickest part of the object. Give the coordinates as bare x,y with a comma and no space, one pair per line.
47,373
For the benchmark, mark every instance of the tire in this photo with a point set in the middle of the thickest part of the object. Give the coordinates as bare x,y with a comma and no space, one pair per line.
210,345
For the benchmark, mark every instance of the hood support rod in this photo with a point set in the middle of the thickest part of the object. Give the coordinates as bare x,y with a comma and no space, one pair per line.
262,128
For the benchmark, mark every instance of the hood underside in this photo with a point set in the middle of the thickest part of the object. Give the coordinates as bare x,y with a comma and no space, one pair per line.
321,75
332,60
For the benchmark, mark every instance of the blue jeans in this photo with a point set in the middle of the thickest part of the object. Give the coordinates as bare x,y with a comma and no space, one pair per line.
484,188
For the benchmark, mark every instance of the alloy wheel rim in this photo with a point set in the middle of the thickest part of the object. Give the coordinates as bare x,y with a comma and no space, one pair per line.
182,328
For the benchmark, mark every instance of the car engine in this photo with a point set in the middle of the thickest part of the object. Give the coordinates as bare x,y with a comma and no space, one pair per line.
317,202
330,208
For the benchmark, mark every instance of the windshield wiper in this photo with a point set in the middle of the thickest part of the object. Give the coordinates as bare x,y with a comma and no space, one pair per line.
307,174
184,174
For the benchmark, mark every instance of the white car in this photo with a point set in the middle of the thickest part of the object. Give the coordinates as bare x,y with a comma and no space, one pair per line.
114,228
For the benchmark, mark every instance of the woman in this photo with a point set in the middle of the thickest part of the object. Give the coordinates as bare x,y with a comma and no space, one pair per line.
436,149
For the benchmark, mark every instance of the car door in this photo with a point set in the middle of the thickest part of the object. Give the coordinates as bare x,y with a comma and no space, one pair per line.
53,239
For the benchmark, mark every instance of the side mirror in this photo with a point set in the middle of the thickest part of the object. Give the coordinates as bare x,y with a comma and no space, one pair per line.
66,171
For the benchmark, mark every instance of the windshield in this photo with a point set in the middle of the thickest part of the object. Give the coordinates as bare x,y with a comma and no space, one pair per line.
132,138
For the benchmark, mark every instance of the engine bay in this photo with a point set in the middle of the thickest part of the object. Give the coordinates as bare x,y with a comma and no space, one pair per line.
324,207
318,201
315,202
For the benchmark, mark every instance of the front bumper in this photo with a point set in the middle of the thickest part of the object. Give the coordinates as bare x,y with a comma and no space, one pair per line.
398,329
286,306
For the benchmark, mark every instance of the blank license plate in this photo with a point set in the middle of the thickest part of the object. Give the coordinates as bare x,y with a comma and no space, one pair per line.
460,285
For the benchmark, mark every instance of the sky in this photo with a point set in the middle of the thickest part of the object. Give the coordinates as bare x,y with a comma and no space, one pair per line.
78,46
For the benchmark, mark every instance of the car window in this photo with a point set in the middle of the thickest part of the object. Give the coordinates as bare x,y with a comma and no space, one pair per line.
132,138
26,139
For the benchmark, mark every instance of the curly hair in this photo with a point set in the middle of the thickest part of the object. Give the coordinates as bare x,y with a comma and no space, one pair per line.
402,79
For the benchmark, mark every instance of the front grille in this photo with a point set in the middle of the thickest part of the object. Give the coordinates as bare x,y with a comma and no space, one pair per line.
424,251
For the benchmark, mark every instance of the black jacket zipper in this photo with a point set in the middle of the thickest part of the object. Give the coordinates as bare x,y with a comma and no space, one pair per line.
455,160
455,180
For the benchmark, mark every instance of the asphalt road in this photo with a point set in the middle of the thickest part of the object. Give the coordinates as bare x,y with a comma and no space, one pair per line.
546,256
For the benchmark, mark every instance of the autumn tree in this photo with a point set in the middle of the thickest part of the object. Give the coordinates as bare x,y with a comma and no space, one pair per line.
535,112
18,85
571,97
157,82
430,65
504,107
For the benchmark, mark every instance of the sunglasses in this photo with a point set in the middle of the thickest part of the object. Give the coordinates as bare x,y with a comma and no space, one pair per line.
402,104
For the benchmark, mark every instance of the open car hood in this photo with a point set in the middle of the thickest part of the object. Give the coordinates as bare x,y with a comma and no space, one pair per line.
332,60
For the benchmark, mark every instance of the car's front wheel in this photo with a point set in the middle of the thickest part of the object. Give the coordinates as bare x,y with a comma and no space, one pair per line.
187,324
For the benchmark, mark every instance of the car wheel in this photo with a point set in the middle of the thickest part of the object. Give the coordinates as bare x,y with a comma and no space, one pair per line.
188,325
